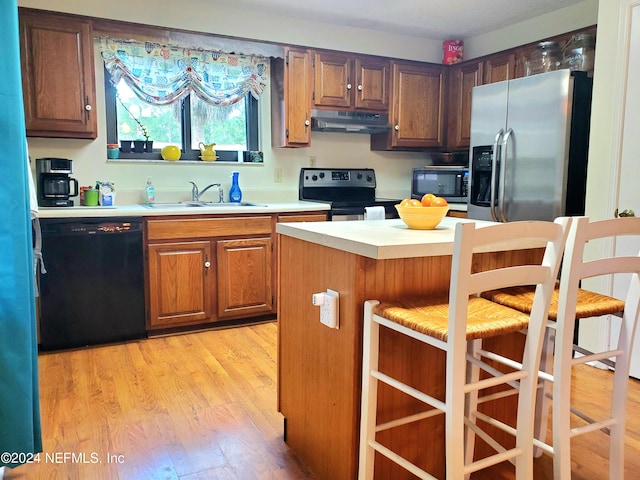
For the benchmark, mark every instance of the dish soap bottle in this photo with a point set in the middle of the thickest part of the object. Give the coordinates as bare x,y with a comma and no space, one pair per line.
149,192
235,194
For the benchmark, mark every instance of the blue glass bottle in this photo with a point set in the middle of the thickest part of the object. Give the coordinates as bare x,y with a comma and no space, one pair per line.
235,194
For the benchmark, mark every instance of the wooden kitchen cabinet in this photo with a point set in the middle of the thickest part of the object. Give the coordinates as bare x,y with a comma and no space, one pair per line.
205,269
499,67
462,78
181,277
417,107
58,80
245,277
346,82
291,89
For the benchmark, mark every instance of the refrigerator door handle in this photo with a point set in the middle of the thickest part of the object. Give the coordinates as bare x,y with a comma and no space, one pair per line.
503,170
494,172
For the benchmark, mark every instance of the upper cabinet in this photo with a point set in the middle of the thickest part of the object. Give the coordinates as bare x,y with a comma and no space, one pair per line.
499,67
417,107
291,87
58,79
462,78
344,81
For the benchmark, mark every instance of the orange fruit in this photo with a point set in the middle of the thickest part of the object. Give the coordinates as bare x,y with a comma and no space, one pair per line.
427,198
439,202
410,202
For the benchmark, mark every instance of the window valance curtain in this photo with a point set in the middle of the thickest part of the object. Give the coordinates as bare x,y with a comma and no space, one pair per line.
163,74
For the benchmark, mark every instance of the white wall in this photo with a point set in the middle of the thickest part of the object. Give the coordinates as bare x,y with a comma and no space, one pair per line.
331,149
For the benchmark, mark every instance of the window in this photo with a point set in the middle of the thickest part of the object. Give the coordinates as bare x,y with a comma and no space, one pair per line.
185,123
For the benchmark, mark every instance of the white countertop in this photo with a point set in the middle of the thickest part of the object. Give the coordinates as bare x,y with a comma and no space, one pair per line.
144,211
381,239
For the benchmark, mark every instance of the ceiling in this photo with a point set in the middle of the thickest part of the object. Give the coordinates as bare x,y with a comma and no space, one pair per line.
434,19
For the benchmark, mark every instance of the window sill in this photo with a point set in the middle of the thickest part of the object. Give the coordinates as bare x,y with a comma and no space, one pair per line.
177,162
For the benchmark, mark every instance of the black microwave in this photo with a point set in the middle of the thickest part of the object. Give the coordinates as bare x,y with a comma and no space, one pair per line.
452,183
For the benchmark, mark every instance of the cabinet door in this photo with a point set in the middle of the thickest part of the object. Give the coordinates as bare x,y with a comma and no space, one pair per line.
58,77
372,84
462,79
333,87
181,284
245,277
499,67
417,116
291,87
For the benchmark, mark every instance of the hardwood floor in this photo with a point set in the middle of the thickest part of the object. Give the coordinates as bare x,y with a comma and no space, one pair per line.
193,407
202,406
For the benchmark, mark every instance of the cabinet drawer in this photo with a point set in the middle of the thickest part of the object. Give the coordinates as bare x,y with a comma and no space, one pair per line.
311,217
167,229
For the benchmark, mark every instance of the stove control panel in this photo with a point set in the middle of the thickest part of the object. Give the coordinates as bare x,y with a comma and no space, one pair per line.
343,177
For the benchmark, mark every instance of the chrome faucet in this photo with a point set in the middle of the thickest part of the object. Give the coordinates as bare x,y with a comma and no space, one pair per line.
196,194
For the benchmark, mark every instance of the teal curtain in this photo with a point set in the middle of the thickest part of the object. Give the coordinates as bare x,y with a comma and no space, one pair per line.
19,402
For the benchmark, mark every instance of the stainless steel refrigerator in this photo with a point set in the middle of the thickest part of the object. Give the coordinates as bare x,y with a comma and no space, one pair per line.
529,146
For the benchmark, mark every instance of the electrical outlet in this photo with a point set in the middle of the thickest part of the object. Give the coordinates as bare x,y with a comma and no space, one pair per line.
329,307
312,160
277,175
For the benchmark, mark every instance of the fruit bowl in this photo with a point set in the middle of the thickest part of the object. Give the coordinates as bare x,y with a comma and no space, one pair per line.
422,218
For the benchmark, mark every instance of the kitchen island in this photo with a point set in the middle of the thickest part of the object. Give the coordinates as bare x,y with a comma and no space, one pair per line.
320,368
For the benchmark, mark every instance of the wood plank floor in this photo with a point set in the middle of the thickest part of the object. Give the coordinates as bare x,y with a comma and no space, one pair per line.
203,406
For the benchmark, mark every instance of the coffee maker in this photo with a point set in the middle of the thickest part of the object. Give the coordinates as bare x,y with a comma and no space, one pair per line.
55,186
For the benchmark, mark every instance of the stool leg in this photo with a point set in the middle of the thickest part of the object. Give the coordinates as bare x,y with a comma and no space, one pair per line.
616,435
544,389
562,402
370,346
455,405
471,405
619,394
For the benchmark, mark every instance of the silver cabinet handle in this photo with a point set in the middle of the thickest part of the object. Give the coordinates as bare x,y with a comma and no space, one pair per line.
348,86
307,123
396,128
359,88
88,108
207,264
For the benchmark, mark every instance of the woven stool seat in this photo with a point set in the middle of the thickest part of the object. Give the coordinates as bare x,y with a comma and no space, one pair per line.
589,304
430,316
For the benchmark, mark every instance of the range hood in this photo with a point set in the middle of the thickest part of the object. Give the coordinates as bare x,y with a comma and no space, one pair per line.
349,122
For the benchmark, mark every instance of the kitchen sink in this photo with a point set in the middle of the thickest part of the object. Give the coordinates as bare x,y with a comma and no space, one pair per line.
189,204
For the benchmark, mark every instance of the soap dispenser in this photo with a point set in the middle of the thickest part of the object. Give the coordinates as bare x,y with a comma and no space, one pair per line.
149,192
235,194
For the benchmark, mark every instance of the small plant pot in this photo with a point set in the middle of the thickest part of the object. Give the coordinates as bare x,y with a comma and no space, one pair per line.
148,146
125,146
138,146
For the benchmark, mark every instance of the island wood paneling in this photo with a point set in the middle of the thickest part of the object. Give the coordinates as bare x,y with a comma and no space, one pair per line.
320,368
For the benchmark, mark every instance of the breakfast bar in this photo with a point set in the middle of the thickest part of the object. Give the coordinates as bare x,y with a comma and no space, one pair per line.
320,367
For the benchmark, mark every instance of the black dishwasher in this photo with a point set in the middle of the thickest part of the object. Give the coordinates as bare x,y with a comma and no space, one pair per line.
93,289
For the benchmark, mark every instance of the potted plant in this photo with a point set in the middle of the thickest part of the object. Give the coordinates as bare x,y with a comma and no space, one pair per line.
139,146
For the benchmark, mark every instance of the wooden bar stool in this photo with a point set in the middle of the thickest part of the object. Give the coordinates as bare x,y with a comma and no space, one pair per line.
569,305
454,322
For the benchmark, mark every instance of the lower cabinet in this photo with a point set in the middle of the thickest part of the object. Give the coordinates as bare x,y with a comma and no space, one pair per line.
244,277
204,269
181,278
